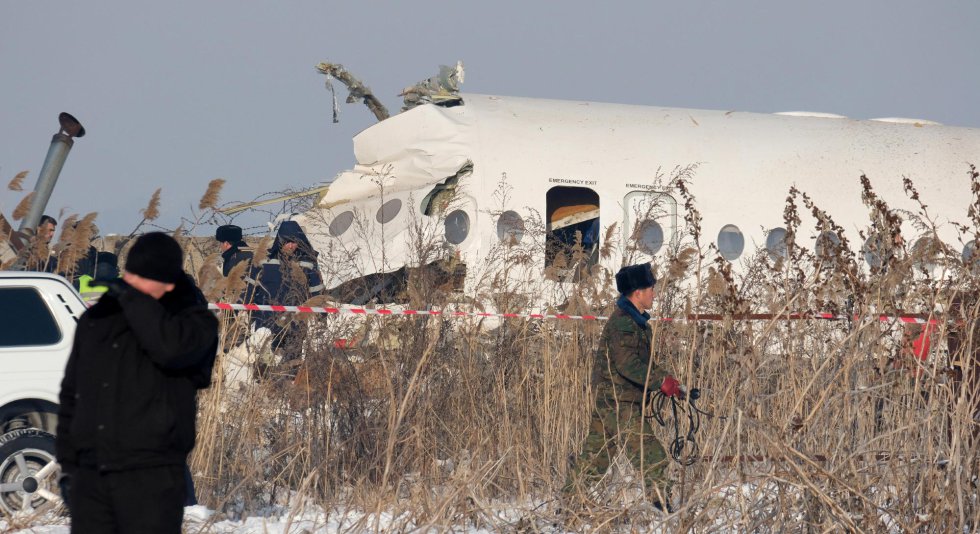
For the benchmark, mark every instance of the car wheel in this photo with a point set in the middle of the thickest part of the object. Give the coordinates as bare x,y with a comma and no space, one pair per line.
28,471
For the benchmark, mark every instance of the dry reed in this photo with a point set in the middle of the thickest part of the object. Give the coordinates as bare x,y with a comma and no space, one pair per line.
453,422
152,209
210,198
23,207
17,183
448,423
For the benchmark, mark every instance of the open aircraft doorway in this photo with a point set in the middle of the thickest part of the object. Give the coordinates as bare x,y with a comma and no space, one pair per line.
572,242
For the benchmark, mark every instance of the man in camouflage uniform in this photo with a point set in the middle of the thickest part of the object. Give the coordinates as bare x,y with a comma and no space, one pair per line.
622,377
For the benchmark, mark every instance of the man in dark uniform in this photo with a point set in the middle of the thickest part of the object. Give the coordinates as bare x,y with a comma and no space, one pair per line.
230,238
126,422
288,277
623,379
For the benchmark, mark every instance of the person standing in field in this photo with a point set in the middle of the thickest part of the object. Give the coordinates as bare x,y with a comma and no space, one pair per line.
46,228
106,268
234,253
624,379
232,246
288,277
41,257
128,400
79,257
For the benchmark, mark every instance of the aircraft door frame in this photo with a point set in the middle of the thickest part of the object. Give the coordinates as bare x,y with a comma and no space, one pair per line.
657,206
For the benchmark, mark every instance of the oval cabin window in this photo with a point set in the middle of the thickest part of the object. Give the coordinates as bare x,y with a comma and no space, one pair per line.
876,252
510,227
650,236
731,242
969,253
341,223
926,252
828,245
776,243
388,211
457,227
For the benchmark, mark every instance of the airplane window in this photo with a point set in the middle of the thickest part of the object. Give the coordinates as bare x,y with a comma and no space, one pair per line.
828,245
969,252
388,210
457,226
875,253
341,223
926,251
776,243
731,242
510,227
650,236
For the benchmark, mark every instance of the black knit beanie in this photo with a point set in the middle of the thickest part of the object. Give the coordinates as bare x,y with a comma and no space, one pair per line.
156,256
633,277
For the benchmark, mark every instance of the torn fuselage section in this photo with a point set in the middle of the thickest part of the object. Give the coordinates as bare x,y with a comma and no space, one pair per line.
376,249
441,277
403,213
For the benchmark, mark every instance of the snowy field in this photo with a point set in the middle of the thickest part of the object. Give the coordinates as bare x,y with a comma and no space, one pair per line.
198,519
733,508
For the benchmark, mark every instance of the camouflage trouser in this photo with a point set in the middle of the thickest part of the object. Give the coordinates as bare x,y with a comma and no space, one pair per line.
616,428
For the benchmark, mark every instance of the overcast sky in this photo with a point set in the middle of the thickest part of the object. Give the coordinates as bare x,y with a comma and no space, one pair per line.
174,94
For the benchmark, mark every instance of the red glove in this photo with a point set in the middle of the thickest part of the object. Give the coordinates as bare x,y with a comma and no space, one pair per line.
671,387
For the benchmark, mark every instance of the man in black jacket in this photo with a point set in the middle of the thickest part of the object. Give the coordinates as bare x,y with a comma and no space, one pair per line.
230,238
129,396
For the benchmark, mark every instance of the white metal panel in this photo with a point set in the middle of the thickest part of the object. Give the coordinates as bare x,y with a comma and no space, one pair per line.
746,162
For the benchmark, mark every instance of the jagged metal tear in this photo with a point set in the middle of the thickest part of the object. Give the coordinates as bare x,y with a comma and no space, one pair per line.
333,96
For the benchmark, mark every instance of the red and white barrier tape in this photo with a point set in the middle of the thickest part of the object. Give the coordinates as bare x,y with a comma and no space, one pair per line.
386,311
692,317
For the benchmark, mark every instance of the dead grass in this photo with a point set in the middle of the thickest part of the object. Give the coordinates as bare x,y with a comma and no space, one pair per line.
17,182
448,422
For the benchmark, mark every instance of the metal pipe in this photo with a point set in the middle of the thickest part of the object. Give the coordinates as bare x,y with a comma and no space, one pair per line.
61,145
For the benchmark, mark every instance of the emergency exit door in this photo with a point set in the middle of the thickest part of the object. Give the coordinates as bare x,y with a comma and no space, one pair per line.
650,224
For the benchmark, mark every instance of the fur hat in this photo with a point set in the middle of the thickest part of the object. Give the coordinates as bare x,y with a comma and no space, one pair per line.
230,233
156,256
633,277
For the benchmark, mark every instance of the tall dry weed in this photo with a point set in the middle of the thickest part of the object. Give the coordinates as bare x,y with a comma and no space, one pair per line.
74,244
210,198
459,422
152,209
23,207
17,183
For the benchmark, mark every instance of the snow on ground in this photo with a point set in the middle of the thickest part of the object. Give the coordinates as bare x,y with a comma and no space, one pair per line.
199,519
730,505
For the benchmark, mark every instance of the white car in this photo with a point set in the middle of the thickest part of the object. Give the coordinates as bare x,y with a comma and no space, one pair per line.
38,314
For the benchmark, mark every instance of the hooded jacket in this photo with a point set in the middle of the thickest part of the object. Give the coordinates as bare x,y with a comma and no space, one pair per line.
275,284
129,395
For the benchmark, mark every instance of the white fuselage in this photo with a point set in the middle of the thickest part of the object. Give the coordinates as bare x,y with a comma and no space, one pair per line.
615,161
